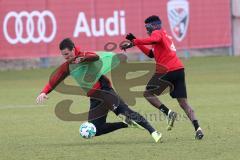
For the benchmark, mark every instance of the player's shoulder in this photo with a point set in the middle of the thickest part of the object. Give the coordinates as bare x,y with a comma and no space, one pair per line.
64,65
159,32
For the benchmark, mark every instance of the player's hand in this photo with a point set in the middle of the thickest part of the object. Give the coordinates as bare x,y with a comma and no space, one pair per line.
79,60
126,45
130,37
41,98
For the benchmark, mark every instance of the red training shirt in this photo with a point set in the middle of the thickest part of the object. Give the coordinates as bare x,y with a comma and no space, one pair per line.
63,71
163,51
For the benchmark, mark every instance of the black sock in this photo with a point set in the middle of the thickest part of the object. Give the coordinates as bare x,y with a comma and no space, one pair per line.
138,119
164,109
110,127
195,124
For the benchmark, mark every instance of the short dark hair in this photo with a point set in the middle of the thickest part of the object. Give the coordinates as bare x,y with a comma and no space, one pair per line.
152,18
66,43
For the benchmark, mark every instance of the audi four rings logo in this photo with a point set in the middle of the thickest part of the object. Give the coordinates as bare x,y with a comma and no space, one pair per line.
30,27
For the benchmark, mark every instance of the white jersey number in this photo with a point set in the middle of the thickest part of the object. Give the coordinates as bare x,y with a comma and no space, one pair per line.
172,46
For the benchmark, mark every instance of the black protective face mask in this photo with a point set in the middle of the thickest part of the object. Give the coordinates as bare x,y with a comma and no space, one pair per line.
150,27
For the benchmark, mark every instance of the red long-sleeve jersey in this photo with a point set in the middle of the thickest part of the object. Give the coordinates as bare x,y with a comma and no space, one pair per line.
163,50
63,71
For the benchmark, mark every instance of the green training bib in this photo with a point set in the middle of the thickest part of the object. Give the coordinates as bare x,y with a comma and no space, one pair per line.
87,74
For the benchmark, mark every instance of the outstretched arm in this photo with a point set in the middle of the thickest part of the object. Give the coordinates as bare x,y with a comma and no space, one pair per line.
153,39
91,57
59,75
86,57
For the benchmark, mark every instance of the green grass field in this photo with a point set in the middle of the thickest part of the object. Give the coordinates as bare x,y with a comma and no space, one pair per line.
30,132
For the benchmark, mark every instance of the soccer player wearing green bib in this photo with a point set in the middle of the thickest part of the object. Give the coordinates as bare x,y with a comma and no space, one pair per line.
89,69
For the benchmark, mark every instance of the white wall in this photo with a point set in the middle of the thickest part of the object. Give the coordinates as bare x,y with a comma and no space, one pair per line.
236,26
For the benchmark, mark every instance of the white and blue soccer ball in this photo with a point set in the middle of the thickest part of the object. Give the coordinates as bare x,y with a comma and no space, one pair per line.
87,130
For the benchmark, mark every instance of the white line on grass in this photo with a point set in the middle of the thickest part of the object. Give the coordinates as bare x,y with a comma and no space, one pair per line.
10,106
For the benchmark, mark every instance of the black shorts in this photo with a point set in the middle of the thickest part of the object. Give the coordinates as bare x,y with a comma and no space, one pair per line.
104,100
172,82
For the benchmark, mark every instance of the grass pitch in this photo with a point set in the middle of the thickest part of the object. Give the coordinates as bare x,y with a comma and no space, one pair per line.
28,131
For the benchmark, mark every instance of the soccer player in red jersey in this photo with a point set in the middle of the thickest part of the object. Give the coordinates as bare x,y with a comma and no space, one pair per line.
103,98
169,71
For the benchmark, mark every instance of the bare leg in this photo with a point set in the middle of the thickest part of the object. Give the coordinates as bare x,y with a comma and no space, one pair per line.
187,108
152,99
191,115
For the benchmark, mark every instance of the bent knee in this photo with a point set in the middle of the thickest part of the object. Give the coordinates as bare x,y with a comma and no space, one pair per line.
183,103
147,94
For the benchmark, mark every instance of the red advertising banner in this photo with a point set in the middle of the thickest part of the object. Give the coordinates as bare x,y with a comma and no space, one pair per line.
31,29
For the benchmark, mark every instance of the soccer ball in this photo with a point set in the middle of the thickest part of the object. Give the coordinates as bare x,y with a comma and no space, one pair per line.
87,130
